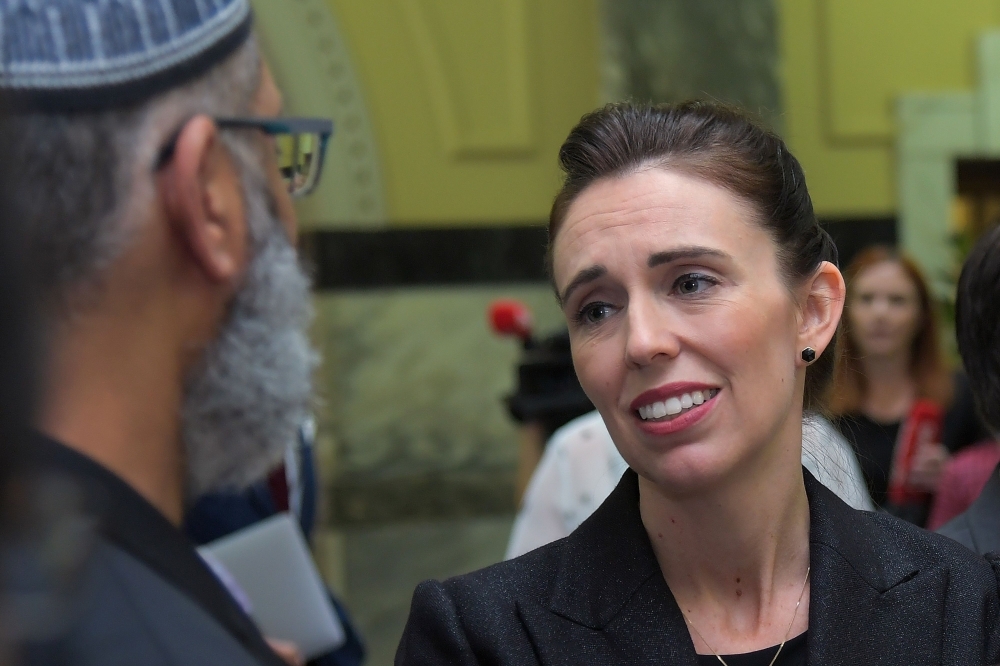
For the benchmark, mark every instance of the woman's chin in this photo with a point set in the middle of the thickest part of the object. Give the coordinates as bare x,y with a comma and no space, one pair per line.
688,469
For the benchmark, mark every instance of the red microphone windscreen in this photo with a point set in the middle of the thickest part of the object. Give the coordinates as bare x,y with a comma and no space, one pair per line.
510,317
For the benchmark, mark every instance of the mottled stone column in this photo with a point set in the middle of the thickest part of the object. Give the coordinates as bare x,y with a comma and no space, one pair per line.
672,50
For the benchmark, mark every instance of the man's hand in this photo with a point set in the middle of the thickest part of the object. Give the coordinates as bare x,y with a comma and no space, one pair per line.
287,651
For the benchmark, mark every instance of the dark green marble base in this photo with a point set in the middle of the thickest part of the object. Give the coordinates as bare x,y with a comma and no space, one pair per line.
384,564
453,494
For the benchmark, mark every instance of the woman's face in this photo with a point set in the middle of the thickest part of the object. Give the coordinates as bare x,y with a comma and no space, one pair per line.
884,310
683,333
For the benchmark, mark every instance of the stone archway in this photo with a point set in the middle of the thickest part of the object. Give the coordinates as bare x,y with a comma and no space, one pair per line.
312,64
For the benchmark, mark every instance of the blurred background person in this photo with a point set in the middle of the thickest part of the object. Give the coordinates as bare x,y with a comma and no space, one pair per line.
976,472
547,394
174,309
965,477
892,364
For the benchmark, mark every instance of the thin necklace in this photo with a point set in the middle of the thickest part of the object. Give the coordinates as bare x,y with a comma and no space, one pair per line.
787,631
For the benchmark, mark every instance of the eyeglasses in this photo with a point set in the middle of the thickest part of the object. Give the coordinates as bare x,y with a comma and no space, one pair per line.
300,142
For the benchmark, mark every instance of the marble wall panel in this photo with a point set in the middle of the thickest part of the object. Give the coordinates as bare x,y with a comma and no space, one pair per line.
412,423
672,50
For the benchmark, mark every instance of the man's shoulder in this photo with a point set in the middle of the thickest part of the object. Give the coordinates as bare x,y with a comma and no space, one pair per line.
978,527
959,530
130,614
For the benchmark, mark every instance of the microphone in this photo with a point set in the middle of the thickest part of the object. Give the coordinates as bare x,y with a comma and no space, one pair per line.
922,428
509,317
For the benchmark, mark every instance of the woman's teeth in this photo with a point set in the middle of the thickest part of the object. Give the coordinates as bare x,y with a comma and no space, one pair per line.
672,407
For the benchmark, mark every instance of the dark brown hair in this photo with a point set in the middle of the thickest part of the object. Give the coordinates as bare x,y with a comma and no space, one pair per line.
927,367
977,325
724,146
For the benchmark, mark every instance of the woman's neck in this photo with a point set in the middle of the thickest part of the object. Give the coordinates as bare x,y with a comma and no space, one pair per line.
735,558
891,389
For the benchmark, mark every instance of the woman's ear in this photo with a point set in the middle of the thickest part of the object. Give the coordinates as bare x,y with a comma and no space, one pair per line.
203,195
822,305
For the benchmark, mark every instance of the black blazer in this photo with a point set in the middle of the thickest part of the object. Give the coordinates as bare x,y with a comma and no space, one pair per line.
978,528
882,592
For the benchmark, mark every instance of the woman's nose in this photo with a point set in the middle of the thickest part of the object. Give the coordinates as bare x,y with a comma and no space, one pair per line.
880,306
650,334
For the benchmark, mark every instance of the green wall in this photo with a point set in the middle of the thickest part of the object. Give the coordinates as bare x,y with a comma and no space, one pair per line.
844,64
471,100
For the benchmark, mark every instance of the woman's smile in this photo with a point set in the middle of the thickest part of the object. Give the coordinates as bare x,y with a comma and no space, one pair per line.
673,407
669,409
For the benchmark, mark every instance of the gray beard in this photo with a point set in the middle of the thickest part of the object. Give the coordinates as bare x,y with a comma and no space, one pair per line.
251,392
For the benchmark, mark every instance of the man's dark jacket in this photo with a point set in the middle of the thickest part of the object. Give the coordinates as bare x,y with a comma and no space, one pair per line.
144,596
882,592
978,528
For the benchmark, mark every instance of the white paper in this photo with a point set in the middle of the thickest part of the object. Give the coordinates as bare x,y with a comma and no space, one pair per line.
271,563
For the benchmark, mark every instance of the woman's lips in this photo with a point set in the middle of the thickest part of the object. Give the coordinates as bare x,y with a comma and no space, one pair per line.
673,407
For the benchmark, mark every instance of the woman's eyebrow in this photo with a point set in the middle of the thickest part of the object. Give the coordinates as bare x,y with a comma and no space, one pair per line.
692,252
582,278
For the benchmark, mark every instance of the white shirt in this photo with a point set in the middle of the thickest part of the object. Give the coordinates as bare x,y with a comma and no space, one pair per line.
581,466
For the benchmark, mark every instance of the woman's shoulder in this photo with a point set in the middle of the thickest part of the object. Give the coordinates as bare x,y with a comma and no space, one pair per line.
877,541
525,577
906,539
923,584
575,584
479,613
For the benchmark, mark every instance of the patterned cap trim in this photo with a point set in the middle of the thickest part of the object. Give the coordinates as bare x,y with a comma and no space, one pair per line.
103,81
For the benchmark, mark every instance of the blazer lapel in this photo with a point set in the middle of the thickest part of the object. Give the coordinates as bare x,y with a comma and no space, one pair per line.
609,602
857,591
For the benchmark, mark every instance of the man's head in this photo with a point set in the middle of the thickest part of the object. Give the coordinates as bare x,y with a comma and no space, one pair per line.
977,323
153,220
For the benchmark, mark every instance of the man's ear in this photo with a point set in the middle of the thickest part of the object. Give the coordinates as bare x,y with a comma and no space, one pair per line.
821,308
204,201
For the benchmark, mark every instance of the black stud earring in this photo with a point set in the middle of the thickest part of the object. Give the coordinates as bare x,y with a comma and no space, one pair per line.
808,354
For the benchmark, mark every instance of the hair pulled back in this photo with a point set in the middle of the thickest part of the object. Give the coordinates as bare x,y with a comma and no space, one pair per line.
721,145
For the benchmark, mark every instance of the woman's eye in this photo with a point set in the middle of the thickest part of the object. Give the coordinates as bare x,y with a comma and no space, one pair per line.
693,283
593,313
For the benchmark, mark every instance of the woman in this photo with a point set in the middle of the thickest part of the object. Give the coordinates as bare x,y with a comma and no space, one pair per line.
891,365
701,295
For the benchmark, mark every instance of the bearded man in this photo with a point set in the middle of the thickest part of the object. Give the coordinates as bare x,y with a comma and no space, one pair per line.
154,174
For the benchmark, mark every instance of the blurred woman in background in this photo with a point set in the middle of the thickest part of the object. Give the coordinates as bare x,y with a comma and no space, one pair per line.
891,367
